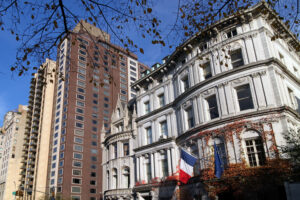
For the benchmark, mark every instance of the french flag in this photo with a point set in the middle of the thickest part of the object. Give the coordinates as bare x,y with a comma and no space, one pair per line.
187,163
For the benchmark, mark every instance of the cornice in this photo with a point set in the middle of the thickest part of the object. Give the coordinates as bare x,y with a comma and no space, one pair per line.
117,135
257,113
154,144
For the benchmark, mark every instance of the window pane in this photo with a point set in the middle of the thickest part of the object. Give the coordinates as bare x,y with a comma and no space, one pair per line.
244,97
213,107
236,58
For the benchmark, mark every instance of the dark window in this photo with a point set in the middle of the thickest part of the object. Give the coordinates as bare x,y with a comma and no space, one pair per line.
94,143
80,90
79,110
93,190
206,70
126,149
190,117
244,97
231,33
79,117
93,174
213,107
93,182
95,95
185,83
236,58
94,158
95,101
76,181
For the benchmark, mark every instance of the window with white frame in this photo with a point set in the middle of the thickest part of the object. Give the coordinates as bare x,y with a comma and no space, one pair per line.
231,33
148,170
126,177
147,107
206,68
161,99
148,137
115,178
212,107
115,150
189,116
125,148
255,152
244,97
185,83
236,58
164,164
163,129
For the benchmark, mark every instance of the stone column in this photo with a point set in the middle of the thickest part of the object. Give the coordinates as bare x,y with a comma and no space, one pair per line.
174,159
138,169
152,165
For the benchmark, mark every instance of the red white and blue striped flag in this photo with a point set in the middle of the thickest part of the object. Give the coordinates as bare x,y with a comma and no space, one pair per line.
187,163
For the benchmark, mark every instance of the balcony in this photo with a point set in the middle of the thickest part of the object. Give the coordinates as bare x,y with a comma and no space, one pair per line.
28,122
22,173
35,119
32,149
23,161
26,139
31,156
39,85
30,162
30,101
23,166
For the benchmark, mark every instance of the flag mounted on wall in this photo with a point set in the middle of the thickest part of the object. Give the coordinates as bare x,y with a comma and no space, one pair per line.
218,162
187,163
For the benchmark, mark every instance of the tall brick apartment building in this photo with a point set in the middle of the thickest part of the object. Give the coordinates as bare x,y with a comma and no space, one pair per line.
94,72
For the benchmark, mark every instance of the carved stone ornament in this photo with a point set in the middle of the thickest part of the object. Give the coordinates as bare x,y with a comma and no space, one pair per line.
209,91
240,80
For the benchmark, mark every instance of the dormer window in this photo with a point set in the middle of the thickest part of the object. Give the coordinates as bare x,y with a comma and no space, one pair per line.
231,33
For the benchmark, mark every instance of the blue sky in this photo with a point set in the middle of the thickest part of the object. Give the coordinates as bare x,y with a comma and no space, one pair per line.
15,90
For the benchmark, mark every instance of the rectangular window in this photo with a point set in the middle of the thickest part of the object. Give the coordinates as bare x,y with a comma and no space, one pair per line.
79,133
76,181
80,76
78,125
81,83
206,70
164,166
161,99
125,149
163,129
80,70
79,110
79,96
79,103
76,189
78,140
80,90
185,83
77,147
244,97
76,172
236,58
255,152
148,172
212,107
147,107
148,135
231,33
77,163
77,156
115,146
190,117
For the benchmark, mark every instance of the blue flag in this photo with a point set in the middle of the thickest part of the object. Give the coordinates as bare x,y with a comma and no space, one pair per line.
218,164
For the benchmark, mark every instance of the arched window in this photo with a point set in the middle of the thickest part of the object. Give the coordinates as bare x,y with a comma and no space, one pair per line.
254,149
126,177
115,179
